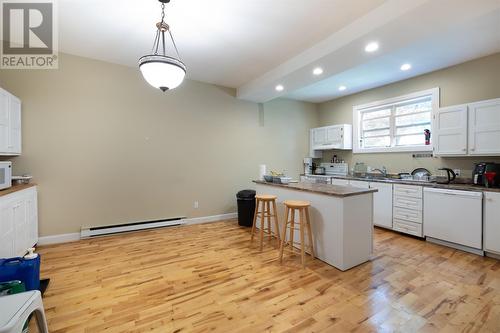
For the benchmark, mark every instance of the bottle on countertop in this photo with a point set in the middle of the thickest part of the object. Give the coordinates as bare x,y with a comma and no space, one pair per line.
334,159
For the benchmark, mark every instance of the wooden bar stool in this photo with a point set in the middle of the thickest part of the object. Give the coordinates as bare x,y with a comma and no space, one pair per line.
291,206
265,201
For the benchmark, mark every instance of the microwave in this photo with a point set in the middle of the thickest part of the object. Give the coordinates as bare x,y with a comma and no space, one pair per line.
5,175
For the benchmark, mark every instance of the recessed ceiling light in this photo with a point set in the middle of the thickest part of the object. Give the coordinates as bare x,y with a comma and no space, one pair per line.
318,71
371,47
405,67
279,87
342,88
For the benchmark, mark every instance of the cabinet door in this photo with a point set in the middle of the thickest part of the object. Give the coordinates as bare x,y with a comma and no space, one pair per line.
484,128
7,232
18,207
450,131
492,222
382,205
312,152
4,121
319,136
334,136
359,183
31,217
14,126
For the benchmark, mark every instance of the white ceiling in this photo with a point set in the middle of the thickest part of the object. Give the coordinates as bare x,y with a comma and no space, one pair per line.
226,42
255,45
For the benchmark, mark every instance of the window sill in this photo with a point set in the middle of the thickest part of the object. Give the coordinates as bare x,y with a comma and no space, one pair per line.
413,149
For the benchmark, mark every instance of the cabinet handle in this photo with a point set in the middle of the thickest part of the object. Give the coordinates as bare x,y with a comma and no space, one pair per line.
473,149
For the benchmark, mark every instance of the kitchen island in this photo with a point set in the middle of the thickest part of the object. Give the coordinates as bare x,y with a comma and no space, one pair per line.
341,219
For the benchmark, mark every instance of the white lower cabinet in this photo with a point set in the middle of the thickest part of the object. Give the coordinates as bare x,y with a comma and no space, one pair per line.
342,182
491,215
382,205
18,222
382,201
359,183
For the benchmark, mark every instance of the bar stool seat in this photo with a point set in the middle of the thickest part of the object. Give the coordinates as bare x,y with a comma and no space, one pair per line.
302,208
265,201
296,203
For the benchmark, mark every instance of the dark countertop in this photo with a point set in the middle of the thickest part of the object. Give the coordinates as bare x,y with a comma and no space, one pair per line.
328,189
451,186
16,188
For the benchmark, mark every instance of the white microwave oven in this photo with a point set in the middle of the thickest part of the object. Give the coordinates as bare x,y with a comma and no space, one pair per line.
5,175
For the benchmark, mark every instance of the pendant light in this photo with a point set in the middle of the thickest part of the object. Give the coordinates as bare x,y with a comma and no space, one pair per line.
159,70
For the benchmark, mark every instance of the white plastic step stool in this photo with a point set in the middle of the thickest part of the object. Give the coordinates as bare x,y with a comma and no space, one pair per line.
15,310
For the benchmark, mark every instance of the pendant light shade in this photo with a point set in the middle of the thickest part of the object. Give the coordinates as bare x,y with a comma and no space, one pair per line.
160,70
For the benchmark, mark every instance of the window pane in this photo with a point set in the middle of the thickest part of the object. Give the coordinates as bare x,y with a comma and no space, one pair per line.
376,114
410,140
417,129
384,141
414,119
376,123
368,134
413,108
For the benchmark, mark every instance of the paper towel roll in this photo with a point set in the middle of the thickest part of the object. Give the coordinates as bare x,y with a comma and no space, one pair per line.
262,171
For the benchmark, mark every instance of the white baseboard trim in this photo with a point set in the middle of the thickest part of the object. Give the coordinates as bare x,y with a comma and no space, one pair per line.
65,238
213,218
56,239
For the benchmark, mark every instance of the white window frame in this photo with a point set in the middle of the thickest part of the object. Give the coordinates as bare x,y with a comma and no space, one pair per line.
356,116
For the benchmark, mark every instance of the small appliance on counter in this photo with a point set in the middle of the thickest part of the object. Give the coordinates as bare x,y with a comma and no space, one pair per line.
486,174
24,179
308,165
447,178
320,170
5,175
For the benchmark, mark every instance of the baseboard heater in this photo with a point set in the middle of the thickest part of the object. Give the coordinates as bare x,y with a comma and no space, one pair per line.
89,232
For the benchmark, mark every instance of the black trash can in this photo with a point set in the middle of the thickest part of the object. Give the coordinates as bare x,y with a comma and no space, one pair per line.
246,207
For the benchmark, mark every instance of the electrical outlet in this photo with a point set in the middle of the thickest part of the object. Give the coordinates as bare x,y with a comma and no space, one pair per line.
457,172
196,204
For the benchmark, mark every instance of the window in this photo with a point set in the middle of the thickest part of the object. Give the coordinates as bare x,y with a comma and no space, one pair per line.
395,125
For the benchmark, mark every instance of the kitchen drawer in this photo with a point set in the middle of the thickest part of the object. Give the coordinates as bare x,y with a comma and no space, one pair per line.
407,214
407,227
408,190
408,202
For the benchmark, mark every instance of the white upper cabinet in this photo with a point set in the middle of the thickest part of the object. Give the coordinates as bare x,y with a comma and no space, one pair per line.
10,124
468,130
4,121
331,137
319,136
484,128
450,131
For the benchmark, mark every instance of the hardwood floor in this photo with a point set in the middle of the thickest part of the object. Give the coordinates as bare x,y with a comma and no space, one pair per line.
207,278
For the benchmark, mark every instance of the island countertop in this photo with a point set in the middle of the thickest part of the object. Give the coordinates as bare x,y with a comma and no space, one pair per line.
328,189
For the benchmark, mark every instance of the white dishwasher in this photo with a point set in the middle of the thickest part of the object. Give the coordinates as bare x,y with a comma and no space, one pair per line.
454,216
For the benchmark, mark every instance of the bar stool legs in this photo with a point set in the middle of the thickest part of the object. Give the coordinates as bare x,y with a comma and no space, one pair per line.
265,214
302,208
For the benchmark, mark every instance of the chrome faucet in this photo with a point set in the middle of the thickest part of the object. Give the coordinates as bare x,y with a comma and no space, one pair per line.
383,171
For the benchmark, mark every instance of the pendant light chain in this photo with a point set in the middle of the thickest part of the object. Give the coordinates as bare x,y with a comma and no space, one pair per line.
162,26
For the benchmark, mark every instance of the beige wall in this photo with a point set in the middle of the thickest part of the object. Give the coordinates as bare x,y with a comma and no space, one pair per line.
107,148
468,82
